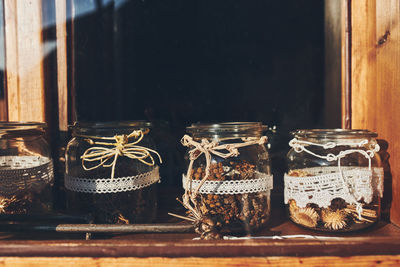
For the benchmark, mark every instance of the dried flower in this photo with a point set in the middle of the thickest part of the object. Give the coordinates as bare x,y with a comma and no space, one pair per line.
304,216
334,220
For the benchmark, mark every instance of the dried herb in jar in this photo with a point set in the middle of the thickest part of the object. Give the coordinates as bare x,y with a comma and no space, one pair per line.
228,196
338,216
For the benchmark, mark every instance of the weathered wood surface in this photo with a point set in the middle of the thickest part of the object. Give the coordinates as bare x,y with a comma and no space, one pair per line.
62,79
375,81
333,42
239,261
24,60
188,248
387,91
383,239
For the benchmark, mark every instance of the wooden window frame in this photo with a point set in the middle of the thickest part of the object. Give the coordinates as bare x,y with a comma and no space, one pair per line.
369,54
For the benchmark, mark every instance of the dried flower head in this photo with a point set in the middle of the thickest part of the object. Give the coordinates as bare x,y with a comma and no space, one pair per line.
304,216
3,204
6,202
334,220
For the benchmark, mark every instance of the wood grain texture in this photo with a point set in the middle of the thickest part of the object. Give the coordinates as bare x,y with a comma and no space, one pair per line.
346,62
11,52
385,97
3,83
61,20
363,63
26,101
389,260
333,42
375,72
3,110
382,239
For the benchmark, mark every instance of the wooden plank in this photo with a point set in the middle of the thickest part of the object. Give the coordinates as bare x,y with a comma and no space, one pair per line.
333,42
61,20
3,83
3,109
363,64
11,52
26,100
375,79
384,240
372,260
70,8
346,62
385,97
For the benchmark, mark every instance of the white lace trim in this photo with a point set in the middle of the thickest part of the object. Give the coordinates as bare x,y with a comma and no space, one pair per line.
261,183
326,184
112,185
18,173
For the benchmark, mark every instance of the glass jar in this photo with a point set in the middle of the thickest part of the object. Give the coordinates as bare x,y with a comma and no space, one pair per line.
26,169
228,182
112,172
335,180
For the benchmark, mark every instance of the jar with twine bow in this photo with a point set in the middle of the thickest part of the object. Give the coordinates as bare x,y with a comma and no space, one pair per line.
228,180
335,179
112,171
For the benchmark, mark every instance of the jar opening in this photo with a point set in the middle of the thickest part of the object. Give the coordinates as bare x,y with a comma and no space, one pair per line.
333,133
19,125
16,129
108,127
235,129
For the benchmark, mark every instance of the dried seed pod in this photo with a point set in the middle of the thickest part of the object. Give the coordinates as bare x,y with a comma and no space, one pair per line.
305,216
334,220
211,235
229,212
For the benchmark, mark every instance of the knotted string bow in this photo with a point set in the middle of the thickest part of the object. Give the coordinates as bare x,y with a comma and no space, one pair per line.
107,153
208,148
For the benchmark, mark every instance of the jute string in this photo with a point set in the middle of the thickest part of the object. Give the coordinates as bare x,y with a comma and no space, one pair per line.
107,153
300,146
208,148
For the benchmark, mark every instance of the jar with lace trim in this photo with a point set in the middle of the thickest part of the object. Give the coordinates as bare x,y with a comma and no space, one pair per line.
112,172
228,180
26,169
335,180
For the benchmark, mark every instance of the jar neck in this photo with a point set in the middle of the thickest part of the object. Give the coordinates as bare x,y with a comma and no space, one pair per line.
337,136
226,131
108,129
14,130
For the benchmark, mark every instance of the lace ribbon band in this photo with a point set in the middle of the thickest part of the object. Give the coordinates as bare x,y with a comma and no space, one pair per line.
112,185
325,184
261,183
19,173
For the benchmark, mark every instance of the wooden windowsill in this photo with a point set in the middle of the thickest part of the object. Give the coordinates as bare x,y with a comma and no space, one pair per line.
382,239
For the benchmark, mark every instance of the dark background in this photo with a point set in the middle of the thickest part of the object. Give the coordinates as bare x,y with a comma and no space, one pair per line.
184,61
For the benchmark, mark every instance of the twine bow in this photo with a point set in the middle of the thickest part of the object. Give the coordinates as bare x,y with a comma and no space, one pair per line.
107,157
208,148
